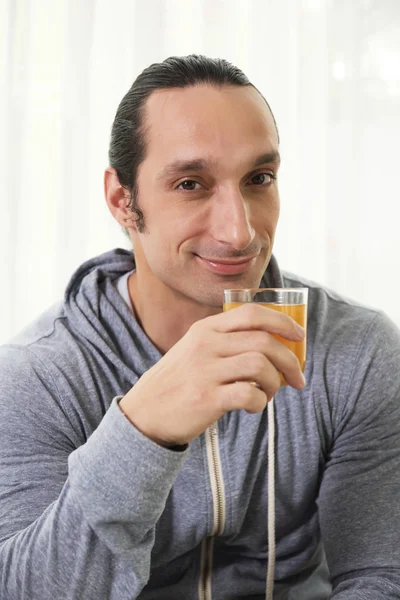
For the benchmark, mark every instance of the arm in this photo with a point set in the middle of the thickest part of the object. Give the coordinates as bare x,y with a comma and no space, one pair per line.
360,491
73,521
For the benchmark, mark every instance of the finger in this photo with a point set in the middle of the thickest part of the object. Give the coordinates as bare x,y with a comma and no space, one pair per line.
265,371
253,316
241,395
251,367
239,342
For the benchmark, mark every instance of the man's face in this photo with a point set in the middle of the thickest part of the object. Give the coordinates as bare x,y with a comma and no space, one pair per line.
208,192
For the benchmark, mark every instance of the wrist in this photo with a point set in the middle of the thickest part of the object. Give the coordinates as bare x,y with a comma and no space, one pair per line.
159,442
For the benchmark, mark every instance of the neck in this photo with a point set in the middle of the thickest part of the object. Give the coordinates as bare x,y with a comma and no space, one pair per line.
164,314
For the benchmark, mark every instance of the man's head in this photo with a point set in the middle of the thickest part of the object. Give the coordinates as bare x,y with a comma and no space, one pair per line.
128,137
194,159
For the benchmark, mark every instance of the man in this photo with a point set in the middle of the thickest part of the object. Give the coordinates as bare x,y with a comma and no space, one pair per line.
133,447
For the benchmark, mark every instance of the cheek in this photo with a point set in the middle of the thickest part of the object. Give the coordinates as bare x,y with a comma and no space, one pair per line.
168,233
266,215
183,221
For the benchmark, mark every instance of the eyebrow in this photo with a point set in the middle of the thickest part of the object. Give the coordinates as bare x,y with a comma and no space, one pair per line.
200,164
268,158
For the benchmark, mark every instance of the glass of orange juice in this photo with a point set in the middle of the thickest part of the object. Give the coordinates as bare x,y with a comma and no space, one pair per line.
291,301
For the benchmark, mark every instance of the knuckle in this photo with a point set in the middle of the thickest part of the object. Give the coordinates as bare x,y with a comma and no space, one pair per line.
196,328
258,402
273,383
266,342
198,334
276,382
257,362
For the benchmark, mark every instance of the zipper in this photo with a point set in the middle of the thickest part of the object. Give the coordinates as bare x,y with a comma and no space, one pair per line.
217,481
207,547
218,494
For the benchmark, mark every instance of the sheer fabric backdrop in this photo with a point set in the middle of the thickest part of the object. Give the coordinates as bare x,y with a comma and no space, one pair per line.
329,68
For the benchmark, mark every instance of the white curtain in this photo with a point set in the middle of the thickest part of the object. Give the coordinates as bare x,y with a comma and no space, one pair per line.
329,68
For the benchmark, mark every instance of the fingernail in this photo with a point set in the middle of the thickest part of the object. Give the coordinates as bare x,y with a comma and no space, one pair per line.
304,379
300,330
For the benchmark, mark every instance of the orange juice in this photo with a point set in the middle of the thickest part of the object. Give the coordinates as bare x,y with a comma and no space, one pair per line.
298,312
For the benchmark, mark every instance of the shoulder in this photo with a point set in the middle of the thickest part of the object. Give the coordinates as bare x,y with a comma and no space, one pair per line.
322,299
41,379
43,353
23,370
33,408
337,320
42,327
50,344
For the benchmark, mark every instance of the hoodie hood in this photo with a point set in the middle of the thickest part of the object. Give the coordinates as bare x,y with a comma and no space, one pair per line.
100,317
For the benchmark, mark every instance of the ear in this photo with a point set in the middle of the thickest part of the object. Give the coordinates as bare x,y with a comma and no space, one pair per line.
117,198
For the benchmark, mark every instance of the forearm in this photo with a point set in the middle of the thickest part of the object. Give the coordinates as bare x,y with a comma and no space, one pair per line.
60,556
95,540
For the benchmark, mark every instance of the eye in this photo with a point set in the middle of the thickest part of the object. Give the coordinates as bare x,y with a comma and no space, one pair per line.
262,179
188,185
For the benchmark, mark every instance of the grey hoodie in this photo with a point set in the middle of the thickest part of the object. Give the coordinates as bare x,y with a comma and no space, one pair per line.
90,509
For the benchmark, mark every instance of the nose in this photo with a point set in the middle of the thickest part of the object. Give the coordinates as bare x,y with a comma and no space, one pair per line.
230,219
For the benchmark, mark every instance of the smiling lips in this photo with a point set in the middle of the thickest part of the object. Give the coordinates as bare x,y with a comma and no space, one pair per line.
228,266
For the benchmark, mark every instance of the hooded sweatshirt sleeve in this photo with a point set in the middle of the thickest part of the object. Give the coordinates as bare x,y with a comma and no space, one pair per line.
359,500
75,522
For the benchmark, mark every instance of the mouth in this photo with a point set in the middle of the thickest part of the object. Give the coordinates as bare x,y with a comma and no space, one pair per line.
228,266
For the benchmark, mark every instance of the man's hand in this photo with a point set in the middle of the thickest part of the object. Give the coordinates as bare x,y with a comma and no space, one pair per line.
208,373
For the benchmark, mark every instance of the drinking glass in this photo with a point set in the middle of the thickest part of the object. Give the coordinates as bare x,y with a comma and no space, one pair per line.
291,301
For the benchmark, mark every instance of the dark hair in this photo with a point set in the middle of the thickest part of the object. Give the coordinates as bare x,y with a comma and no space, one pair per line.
127,146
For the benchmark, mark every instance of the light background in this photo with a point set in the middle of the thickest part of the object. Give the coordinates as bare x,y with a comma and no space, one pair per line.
329,68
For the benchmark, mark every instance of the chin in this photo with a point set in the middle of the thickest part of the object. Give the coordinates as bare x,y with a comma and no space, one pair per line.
251,279
213,295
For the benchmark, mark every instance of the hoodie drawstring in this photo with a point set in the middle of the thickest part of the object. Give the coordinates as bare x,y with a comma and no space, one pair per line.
271,501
